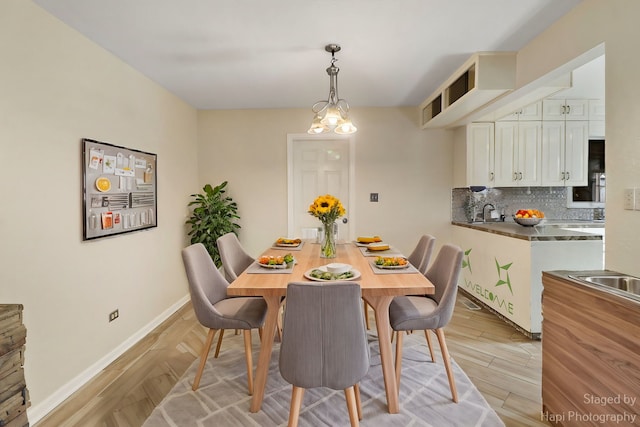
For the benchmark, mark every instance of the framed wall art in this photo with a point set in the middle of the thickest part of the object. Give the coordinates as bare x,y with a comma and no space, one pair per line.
119,190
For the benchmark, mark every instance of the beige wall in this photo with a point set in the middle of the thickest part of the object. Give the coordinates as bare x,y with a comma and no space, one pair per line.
56,88
615,23
408,167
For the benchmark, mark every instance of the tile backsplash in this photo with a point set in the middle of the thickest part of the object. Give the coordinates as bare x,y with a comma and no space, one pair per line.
550,200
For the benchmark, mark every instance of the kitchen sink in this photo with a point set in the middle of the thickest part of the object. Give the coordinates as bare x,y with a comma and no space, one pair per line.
625,283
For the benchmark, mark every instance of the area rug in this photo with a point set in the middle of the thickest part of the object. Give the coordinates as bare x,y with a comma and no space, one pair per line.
222,399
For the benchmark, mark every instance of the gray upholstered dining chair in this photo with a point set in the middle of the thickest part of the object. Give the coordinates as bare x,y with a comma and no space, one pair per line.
430,312
421,254
419,258
234,261
216,311
234,258
324,342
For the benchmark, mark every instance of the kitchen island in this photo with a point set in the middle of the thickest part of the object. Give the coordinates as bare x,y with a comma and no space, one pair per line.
503,263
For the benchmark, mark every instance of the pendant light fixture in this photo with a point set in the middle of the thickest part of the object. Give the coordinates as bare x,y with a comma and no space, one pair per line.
332,114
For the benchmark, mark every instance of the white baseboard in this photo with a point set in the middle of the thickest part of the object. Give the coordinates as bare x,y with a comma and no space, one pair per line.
39,411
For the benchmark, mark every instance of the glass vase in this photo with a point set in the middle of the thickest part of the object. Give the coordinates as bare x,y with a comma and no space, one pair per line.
328,245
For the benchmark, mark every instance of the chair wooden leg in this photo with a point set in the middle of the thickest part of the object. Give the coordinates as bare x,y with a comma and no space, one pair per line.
279,323
398,358
220,335
247,351
296,402
427,335
356,388
203,358
447,363
365,310
349,394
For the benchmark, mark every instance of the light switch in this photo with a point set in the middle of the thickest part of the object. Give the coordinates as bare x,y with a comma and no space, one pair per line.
629,198
373,197
636,199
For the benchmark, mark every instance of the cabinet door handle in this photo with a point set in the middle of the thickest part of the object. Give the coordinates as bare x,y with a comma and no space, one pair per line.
562,178
564,109
567,175
568,109
491,176
520,176
515,176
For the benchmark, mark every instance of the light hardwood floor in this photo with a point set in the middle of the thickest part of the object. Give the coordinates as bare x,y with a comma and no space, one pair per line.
504,365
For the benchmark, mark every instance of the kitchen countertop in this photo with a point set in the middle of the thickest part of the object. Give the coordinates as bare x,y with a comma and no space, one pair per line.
547,230
567,275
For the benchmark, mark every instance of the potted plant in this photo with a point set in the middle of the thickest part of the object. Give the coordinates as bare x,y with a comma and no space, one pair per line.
213,215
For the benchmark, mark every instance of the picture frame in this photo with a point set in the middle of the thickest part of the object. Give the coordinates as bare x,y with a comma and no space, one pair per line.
119,190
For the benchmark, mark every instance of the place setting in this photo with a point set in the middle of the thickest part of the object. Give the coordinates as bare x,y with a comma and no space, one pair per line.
374,246
284,243
273,264
391,265
332,272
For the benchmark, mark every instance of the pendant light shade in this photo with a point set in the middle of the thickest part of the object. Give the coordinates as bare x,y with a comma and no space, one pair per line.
332,114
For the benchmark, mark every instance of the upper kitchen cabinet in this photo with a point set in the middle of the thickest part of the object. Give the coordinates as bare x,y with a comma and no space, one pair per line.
596,109
528,113
518,153
480,154
565,152
596,118
565,109
484,77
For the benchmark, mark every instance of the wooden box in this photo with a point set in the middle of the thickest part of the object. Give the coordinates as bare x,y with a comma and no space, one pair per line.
14,396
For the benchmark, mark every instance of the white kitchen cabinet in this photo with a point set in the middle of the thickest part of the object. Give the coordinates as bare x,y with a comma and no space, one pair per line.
517,154
565,152
596,109
565,109
480,154
528,113
596,129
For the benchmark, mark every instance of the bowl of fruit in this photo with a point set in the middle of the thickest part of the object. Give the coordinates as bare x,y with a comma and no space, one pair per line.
528,217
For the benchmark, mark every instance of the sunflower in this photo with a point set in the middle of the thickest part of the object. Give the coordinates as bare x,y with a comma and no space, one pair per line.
327,208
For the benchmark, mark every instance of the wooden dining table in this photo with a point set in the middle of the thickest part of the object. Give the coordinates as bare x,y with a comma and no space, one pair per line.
378,290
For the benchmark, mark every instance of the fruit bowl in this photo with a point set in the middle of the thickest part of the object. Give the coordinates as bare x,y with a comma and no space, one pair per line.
527,222
528,217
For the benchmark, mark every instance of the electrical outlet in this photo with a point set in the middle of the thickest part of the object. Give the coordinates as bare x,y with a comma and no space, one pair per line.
629,198
114,315
373,197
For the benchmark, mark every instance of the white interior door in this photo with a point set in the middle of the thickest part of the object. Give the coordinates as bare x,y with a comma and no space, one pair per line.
318,165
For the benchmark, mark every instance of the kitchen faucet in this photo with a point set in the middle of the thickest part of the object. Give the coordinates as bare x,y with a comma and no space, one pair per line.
484,213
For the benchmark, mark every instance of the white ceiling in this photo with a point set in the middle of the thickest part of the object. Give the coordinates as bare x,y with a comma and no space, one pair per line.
235,54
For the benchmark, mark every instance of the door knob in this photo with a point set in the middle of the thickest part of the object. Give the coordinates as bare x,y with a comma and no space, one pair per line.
345,220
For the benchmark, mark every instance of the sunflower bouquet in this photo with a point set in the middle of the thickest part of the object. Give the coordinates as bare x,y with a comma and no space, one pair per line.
327,209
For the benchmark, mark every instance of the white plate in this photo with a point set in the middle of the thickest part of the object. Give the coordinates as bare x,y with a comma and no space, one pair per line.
272,266
378,247
367,244
288,245
356,275
391,267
